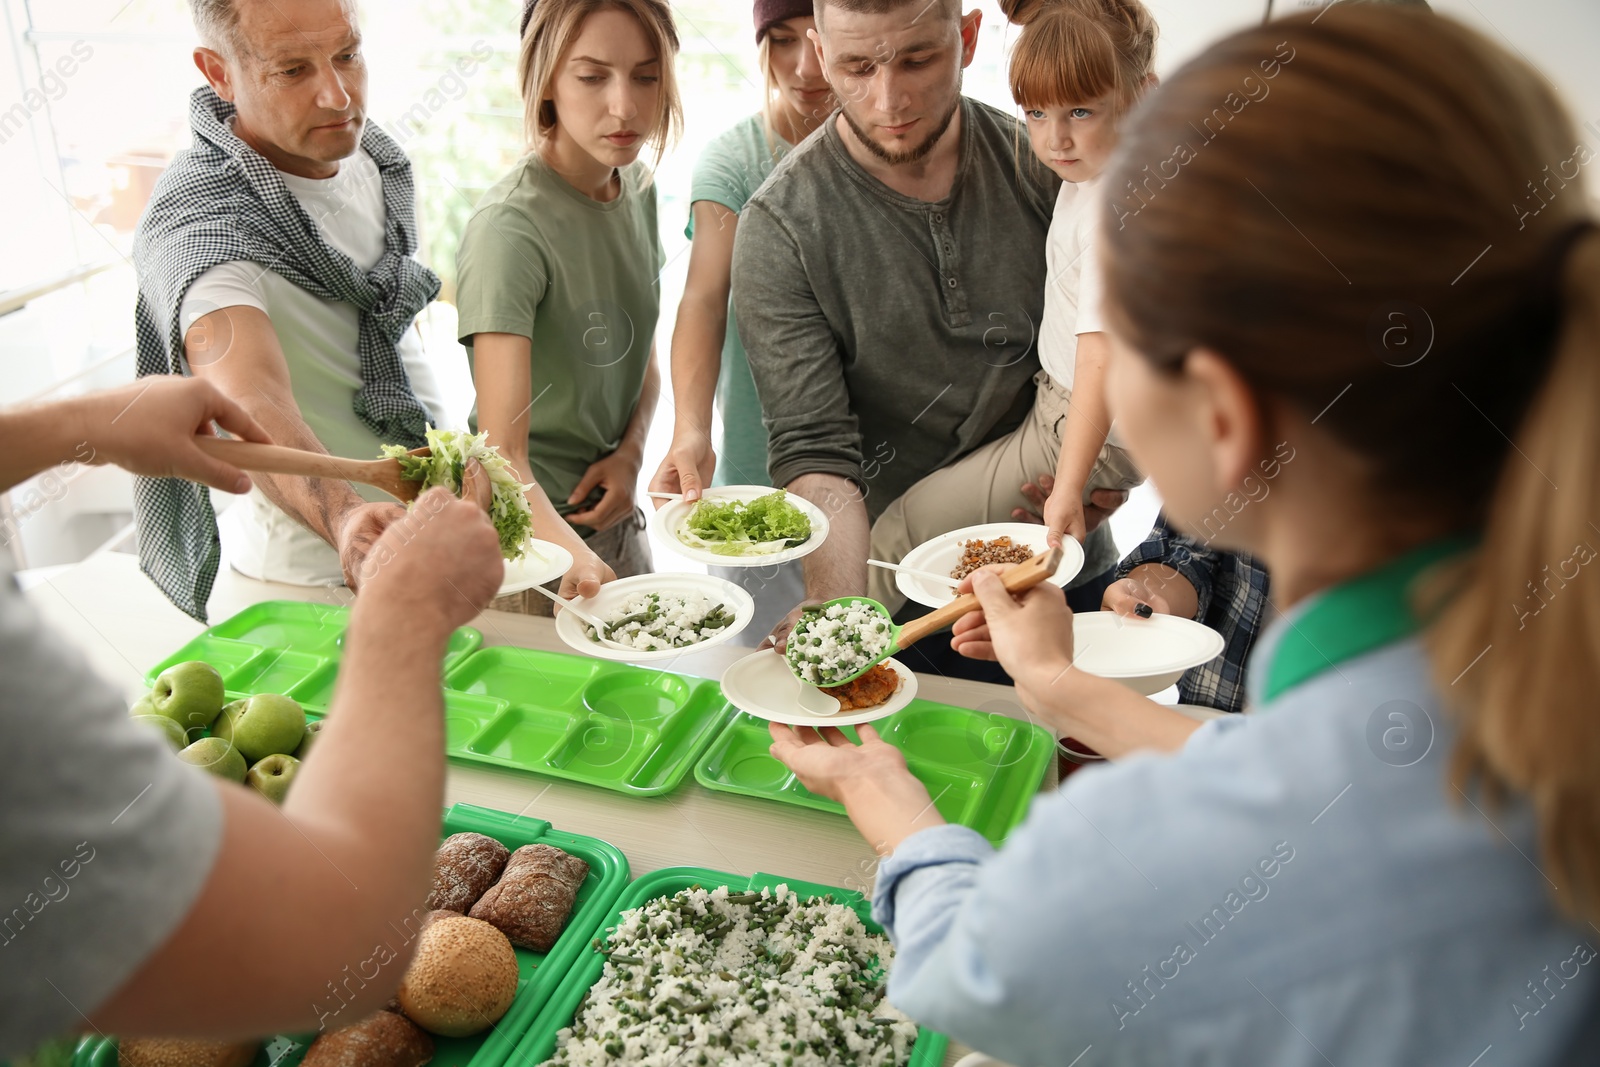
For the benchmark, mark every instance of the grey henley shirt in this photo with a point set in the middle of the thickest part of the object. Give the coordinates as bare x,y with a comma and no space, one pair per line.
889,336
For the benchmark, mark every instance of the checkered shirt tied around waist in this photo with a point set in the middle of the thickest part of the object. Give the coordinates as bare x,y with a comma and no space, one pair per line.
219,202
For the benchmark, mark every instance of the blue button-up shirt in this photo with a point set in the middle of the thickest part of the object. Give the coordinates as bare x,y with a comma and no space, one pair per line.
1298,887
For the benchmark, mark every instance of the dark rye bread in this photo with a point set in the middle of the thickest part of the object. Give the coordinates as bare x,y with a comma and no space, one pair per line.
465,866
381,1040
534,896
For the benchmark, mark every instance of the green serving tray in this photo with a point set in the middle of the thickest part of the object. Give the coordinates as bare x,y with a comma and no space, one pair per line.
541,974
286,646
981,768
611,725
539,1041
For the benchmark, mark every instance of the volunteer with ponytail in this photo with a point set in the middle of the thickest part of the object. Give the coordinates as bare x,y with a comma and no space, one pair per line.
1076,69
708,361
559,286
1396,859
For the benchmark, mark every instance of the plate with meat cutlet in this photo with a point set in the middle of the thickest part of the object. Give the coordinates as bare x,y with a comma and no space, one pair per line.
763,685
960,552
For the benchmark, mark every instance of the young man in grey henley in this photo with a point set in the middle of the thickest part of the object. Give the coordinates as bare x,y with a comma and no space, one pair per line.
888,277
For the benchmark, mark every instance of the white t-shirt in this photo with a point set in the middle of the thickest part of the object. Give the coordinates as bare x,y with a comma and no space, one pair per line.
1072,280
319,340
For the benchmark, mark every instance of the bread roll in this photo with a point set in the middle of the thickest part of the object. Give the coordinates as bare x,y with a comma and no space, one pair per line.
380,1040
464,867
533,898
462,979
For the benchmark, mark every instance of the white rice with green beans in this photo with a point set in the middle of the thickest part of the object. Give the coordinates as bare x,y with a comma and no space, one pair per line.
830,644
656,622
707,977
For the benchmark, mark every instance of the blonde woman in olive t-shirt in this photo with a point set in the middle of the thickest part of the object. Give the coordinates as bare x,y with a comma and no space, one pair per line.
558,293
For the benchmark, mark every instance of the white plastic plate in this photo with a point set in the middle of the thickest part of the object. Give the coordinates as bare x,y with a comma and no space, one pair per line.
1147,655
541,562
762,684
941,555
668,522
608,603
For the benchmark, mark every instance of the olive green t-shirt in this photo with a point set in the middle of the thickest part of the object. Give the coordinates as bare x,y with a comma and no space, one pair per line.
580,279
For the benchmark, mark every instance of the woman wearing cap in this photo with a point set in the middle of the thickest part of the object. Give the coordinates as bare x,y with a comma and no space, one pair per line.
558,270
707,359
1396,860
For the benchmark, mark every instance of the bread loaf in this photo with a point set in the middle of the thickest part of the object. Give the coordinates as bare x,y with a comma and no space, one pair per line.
465,866
533,898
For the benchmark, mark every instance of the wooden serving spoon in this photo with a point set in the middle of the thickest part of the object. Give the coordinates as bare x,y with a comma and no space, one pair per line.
1021,577
381,474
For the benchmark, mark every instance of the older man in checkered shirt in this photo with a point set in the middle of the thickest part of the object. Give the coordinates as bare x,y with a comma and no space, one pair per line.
276,260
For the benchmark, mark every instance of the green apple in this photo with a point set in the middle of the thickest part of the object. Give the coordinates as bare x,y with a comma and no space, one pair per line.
261,725
175,735
189,693
143,706
272,776
313,728
217,756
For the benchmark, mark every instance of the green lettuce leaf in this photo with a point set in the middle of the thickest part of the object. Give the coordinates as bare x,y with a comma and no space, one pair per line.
452,451
738,527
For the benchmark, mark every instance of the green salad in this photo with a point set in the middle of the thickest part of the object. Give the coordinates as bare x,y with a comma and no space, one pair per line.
452,451
756,527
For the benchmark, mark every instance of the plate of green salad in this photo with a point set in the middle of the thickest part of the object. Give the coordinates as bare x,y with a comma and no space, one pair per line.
741,526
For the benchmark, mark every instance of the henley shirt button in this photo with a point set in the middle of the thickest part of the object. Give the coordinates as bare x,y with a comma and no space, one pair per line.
938,218
952,283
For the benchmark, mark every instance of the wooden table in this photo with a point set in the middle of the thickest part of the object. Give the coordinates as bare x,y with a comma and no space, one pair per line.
121,621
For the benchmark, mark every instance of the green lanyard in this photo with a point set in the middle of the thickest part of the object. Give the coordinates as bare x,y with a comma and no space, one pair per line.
1355,617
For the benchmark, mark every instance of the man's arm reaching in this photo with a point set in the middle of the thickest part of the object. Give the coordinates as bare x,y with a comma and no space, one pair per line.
237,349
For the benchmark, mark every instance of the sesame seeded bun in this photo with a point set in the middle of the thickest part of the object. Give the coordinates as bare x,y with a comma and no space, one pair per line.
462,979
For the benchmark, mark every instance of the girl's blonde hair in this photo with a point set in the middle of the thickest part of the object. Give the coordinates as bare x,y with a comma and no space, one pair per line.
771,100
1071,51
555,24
1431,177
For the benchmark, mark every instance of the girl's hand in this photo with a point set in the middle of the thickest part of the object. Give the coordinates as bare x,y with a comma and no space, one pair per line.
885,801
687,468
589,572
618,475
1130,596
1150,588
1063,516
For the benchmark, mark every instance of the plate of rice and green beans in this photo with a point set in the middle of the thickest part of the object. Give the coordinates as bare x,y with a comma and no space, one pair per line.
657,617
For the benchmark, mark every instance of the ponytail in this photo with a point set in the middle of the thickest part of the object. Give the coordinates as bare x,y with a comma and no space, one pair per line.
1516,650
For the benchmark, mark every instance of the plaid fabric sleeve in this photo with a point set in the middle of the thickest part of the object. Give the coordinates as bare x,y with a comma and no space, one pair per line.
1237,609
1166,546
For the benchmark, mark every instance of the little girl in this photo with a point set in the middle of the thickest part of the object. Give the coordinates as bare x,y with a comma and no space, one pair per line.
1076,69
558,286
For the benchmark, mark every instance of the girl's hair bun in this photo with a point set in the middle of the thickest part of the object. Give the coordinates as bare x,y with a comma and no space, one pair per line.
1022,12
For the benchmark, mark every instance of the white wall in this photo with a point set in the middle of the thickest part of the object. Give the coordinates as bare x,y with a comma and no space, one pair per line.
1560,37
